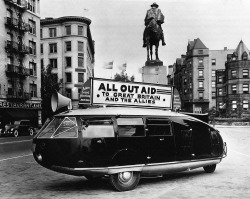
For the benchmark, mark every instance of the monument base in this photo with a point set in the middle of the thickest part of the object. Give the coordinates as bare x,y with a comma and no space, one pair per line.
154,72
154,63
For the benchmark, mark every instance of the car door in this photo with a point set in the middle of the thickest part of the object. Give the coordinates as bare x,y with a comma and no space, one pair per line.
160,140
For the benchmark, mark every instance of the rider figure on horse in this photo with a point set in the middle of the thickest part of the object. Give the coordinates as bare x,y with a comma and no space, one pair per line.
153,13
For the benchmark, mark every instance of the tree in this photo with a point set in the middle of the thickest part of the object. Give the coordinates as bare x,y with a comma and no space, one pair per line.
123,77
49,84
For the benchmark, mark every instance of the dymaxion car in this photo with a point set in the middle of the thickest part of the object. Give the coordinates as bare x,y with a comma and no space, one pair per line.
125,143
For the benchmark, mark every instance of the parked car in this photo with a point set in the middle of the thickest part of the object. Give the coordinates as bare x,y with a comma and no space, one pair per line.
20,127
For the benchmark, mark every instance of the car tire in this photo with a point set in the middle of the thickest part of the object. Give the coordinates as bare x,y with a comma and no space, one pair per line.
15,133
31,132
210,168
124,181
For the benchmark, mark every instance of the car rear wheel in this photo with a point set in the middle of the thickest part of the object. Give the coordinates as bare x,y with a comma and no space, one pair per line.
125,181
16,133
210,168
31,132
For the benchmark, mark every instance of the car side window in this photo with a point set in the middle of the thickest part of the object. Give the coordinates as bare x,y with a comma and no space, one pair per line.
159,127
130,127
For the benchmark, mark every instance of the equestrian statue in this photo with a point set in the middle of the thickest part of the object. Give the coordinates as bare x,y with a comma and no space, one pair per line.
153,32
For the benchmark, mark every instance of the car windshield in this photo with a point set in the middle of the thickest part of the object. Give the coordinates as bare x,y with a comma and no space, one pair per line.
60,127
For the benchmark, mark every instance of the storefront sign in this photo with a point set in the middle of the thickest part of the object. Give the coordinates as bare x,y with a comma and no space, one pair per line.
85,95
20,105
131,94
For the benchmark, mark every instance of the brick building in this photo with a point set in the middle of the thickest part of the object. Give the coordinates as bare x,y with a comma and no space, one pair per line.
195,76
233,82
20,81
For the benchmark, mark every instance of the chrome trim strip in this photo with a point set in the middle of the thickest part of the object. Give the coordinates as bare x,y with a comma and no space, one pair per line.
153,168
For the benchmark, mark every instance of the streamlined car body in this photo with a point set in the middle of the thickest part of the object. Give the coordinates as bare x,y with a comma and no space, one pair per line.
126,143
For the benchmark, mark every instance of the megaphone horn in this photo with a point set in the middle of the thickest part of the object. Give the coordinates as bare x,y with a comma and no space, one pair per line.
59,101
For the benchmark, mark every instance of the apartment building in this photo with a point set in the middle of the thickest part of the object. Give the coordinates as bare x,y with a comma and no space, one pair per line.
217,60
20,73
195,76
67,45
233,96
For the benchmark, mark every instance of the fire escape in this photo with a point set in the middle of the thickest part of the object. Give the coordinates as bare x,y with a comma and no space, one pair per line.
16,50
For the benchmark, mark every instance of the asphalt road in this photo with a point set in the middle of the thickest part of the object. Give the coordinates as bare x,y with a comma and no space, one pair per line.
22,177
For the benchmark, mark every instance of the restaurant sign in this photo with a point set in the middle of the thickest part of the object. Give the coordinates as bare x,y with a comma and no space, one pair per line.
5,104
131,94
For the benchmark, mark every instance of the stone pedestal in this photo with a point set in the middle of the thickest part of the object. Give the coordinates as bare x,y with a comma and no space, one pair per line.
154,72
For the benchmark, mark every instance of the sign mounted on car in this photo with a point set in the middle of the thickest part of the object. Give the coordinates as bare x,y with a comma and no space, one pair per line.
131,94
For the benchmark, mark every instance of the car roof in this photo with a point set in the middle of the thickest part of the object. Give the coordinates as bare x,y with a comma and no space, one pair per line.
123,111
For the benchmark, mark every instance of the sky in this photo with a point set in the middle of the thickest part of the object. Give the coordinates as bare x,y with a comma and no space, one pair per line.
117,27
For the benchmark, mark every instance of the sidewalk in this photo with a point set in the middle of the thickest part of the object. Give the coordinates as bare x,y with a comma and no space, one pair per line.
229,126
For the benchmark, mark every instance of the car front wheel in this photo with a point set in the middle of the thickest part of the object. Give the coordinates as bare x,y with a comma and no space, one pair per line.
210,168
15,133
125,181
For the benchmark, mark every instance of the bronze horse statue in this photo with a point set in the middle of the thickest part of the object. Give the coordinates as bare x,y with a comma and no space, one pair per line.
153,34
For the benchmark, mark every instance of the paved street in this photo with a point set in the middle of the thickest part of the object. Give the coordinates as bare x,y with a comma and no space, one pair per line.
22,177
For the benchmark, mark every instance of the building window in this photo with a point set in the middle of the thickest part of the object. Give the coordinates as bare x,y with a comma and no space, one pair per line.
201,84
220,79
245,73
68,30
221,105
33,90
213,84
233,74
68,45
68,61
53,63
234,89
33,71
42,64
200,95
68,92
220,91
245,88
80,62
200,73
32,25
200,52
213,73
31,5
245,105
234,105
53,48
80,77
213,95
41,33
80,30
213,62
185,81
200,62
32,47
80,46
68,77
190,85
52,32
41,48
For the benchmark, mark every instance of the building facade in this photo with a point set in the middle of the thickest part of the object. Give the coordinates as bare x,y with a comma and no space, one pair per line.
217,60
67,45
20,74
195,76
233,82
